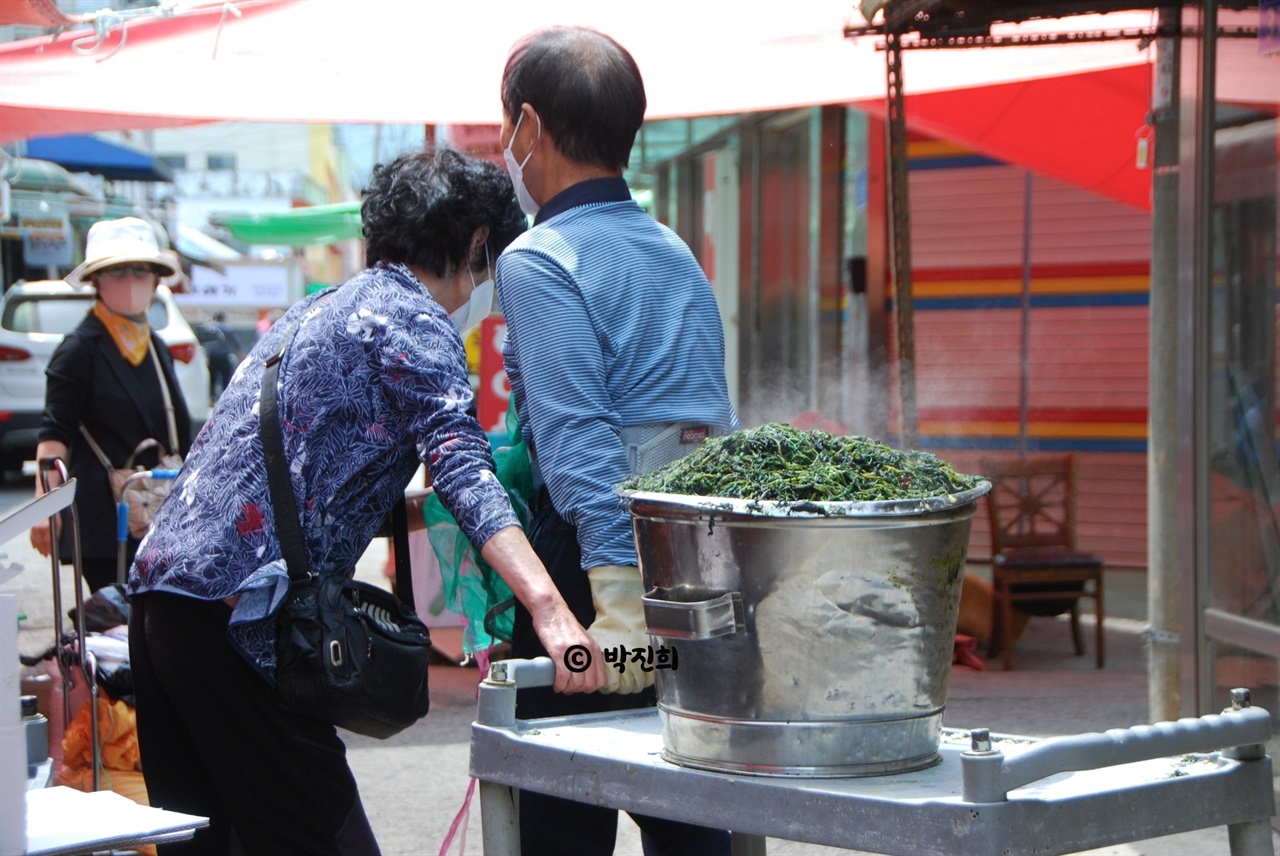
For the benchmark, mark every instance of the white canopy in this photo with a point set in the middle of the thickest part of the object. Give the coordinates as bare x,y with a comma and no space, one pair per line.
412,61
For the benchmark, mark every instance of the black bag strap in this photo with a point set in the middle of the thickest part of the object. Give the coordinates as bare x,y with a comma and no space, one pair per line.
280,489
400,545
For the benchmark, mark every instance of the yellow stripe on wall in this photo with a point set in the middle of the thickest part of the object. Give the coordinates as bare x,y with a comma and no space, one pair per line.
1115,430
1009,287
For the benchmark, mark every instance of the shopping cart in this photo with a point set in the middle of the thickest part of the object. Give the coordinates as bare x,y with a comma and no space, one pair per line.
66,650
69,650
122,514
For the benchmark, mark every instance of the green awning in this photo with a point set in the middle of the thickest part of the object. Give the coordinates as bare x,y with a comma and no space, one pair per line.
298,227
41,176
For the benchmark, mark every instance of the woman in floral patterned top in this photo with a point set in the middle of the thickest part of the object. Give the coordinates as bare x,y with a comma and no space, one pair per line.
373,383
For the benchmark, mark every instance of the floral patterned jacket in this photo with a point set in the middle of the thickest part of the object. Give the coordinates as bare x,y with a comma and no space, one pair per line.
373,382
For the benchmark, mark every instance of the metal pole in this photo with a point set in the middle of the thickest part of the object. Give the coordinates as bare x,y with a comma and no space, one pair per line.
499,820
741,844
1202,271
1164,685
1025,372
1252,838
900,241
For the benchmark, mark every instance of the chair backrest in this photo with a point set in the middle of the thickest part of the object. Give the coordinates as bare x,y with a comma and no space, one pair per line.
1032,502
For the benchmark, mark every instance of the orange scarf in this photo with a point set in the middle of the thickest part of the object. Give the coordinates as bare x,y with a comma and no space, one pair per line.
132,336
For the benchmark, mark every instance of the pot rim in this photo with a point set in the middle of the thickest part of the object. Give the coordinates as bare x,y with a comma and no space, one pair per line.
772,508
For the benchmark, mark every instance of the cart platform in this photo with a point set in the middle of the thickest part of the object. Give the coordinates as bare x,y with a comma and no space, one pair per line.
990,794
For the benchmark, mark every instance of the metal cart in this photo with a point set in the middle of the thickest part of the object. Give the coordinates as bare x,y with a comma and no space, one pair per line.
67,656
64,655
991,794
122,515
60,820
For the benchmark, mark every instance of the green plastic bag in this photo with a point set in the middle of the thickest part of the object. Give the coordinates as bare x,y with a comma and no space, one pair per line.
473,589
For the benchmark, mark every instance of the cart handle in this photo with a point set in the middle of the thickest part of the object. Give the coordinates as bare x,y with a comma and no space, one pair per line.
159,475
122,507
989,774
496,704
524,674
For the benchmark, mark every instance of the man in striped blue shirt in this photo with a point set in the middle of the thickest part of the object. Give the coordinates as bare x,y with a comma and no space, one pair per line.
615,355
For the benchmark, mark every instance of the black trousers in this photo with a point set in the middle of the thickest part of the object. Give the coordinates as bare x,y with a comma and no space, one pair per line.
551,825
215,742
100,573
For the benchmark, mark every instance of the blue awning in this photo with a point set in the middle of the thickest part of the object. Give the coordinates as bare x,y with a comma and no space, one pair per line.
87,153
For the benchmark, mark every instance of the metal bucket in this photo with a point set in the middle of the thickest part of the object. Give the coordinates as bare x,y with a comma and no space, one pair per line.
806,639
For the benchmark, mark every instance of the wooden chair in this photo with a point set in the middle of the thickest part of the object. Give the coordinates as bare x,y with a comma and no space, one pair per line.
1035,563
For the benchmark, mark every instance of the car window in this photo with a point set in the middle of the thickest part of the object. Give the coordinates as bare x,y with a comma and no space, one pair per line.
59,314
158,315
41,313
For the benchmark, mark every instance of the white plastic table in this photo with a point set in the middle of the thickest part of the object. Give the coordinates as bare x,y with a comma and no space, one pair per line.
991,794
63,821
44,821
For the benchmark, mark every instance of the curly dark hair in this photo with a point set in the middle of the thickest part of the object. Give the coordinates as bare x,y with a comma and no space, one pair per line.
423,207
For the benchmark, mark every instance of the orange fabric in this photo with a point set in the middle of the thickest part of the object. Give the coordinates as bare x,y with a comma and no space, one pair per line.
130,336
127,783
117,734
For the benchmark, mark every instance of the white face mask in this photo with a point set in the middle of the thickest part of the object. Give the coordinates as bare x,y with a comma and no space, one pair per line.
516,170
468,316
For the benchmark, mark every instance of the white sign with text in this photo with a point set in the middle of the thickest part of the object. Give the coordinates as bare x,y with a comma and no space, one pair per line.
241,285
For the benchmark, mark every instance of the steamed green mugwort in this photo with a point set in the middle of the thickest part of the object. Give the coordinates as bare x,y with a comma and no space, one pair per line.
778,463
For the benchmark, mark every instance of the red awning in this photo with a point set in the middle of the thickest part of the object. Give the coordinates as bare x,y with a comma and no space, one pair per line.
1082,129
35,13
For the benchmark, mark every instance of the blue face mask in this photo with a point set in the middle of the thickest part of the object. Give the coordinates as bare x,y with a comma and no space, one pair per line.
516,170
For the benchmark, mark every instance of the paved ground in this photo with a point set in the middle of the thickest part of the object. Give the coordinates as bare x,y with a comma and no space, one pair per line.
415,783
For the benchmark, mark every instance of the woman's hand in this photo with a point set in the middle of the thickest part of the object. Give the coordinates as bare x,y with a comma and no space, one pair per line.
40,538
579,664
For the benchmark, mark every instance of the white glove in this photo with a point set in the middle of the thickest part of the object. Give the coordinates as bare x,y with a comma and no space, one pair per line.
616,591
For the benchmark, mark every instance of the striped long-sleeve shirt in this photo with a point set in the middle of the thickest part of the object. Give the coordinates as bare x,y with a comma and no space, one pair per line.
610,323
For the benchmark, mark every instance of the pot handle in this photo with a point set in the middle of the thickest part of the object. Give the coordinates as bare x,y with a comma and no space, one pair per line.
699,619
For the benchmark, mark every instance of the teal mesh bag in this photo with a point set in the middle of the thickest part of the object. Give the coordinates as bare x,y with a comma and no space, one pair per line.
473,589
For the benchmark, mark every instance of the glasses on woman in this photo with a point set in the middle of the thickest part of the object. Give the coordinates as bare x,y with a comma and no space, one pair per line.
137,269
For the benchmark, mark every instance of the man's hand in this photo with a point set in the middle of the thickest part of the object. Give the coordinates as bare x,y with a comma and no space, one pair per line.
616,592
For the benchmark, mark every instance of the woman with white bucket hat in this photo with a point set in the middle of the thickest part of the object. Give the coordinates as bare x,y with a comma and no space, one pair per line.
103,388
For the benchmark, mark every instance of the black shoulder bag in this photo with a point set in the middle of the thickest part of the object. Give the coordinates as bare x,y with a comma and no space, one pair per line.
347,652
